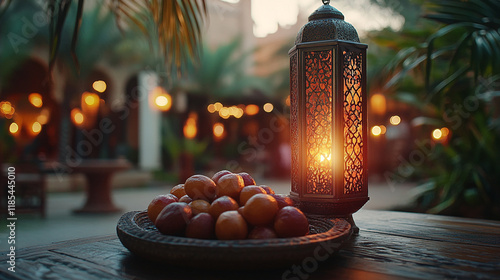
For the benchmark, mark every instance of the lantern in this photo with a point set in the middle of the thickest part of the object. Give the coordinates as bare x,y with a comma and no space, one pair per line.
328,116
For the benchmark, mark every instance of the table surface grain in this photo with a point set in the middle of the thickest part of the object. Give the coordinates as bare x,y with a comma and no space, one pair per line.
390,245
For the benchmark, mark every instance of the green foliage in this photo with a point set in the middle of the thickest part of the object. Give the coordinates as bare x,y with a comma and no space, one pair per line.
175,25
222,72
15,46
453,79
175,145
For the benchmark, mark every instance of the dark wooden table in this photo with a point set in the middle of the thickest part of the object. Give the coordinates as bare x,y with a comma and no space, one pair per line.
390,245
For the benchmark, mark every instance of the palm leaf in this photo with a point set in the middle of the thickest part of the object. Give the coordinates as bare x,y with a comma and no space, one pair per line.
59,10
176,25
76,29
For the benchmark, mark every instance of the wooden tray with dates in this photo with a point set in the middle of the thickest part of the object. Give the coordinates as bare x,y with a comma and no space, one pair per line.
140,236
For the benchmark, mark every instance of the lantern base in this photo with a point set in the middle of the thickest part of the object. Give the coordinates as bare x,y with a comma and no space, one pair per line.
355,228
335,208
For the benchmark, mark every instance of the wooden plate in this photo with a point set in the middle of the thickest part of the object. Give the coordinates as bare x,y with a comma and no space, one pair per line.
138,234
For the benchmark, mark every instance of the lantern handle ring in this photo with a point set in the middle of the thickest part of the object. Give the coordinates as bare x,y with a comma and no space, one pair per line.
326,2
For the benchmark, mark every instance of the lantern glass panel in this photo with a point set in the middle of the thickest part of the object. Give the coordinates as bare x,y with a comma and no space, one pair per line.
353,122
319,126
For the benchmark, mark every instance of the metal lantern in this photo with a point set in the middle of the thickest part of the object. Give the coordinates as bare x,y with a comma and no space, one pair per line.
328,116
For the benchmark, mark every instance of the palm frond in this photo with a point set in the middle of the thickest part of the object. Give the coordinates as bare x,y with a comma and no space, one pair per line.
176,25
58,11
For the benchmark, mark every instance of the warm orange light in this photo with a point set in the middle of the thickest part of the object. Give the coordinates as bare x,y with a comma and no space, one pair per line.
224,113
287,100
161,99
42,119
251,109
383,129
395,120
77,117
7,109
239,113
190,129
90,105
35,99
437,134
218,106
13,128
378,104
445,131
376,130
325,157
36,127
268,107
91,100
211,108
218,130
99,86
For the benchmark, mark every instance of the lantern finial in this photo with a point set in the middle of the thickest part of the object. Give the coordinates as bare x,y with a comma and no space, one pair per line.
326,2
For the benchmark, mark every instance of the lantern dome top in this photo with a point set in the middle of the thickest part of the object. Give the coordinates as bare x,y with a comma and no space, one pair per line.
326,23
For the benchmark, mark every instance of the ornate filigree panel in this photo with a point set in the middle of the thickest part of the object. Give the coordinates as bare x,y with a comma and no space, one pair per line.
294,123
353,129
318,107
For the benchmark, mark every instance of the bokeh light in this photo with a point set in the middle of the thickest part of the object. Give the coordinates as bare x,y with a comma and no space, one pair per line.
383,129
211,108
35,99
251,109
99,86
190,129
218,106
77,117
437,134
395,120
161,99
445,131
36,127
218,130
13,128
376,130
268,107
